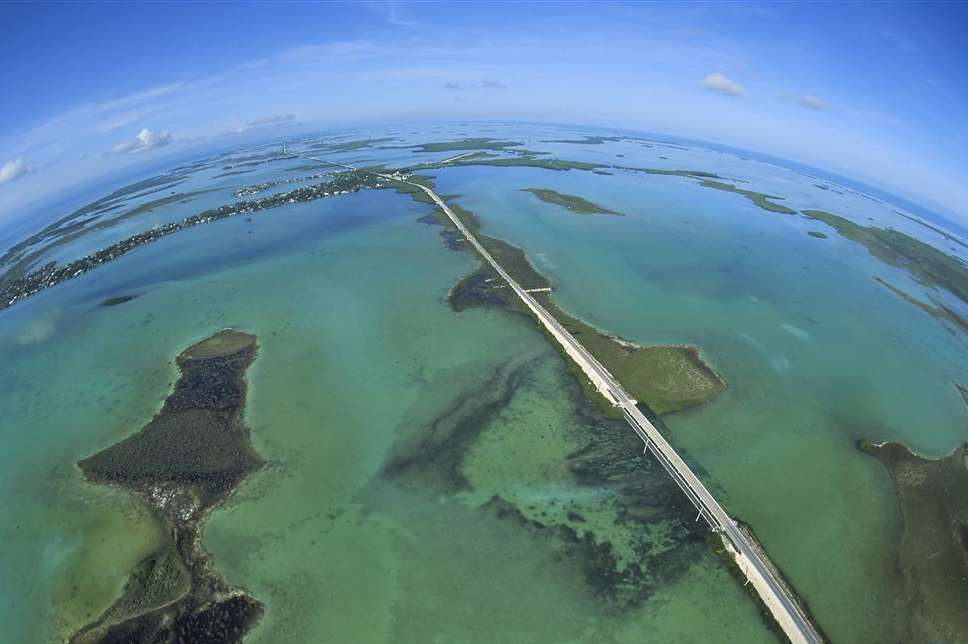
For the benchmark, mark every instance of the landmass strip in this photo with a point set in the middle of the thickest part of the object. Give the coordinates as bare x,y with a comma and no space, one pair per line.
20,281
927,265
749,557
186,461
894,250
574,203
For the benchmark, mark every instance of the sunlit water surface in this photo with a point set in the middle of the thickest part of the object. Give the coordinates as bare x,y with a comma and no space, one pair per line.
348,298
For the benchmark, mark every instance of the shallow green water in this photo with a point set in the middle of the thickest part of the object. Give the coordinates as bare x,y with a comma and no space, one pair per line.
817,355
358,347
360,353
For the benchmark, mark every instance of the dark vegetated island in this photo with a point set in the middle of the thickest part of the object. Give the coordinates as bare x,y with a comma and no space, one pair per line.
117,299
186,461
588,140
575,204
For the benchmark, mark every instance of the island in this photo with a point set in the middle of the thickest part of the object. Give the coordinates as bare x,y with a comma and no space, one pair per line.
663,378
575,204
184,462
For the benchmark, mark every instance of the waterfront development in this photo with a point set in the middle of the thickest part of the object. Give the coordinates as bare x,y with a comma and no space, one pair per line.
418,432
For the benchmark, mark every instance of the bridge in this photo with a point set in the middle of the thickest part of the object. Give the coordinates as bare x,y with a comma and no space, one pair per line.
751,560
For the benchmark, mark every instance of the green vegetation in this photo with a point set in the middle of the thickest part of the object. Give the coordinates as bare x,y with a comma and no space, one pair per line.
588,140
924,262
157,582
932,556
477,155
664,378
526,153
817,234
185,461
575,204
467,144
349,146
525,162
118,299
692,174
760,199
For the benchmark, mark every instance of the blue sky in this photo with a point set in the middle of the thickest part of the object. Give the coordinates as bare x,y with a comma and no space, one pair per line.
875,91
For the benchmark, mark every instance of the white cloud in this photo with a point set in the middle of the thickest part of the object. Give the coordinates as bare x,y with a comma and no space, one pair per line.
265,121
721,83
146,140
484,84
14,169
812,102
391,10
275,119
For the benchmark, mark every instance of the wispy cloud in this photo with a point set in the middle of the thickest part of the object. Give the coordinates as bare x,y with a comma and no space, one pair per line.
146,140
812,102
266,121
14,169
484,84
392,12
721,83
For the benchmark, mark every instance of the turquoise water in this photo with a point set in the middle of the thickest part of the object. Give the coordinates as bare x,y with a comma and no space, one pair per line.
359,349
817,355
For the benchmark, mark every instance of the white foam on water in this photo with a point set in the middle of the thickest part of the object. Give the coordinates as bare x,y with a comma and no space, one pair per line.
780,364
797,332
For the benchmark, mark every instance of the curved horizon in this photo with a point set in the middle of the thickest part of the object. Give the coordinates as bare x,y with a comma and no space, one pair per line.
876,97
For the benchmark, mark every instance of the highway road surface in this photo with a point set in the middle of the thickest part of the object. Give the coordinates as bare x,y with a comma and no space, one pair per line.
750,559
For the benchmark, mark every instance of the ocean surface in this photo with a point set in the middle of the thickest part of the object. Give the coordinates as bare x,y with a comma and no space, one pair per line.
359,349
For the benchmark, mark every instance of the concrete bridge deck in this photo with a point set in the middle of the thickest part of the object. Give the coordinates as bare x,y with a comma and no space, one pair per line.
750,559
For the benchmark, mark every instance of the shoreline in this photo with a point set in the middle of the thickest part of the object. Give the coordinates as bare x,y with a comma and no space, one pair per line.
183,464
639,367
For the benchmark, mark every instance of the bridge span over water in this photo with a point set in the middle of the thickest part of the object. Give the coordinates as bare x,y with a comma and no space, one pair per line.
750,558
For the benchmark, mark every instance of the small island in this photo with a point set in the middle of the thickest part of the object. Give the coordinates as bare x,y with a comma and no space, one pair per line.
575,204
117,300
186,461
